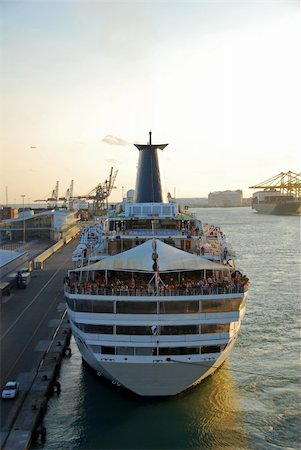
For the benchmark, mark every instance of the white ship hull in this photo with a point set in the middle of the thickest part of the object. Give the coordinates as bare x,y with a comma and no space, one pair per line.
156,379
157,375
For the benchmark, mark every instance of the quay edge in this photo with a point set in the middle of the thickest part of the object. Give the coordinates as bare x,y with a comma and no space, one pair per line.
33,405
25,418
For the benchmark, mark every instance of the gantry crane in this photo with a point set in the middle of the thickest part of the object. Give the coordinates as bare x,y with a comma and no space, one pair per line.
68,199
100,194
286,182
54,196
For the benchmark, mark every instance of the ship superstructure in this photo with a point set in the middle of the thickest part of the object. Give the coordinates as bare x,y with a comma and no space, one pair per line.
160,308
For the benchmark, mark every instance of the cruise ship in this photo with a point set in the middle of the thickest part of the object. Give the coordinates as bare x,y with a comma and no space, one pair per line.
156,303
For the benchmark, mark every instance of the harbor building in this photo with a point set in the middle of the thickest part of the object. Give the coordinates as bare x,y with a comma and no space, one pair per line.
53,225
6,212
225,198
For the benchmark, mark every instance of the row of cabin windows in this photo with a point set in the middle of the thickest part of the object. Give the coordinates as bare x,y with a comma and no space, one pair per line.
171,307
149,330
146,224
157,351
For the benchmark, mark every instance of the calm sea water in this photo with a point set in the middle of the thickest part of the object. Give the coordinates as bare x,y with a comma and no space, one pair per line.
252,402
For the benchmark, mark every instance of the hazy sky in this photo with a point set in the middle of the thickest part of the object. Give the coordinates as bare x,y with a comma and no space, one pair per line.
217,80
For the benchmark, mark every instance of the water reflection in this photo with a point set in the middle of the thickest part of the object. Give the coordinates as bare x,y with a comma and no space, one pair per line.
215,418
91,414
64,417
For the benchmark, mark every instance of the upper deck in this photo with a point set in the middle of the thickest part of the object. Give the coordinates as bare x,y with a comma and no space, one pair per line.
150,210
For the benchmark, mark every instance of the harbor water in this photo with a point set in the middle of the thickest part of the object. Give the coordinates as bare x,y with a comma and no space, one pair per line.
251,402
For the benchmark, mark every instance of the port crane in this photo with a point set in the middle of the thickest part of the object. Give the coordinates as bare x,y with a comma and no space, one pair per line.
286,182
68,199
54,196
100,193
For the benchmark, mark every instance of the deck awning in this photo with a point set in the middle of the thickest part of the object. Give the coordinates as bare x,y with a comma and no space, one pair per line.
139,259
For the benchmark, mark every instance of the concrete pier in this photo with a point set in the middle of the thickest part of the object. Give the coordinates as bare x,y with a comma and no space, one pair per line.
35,336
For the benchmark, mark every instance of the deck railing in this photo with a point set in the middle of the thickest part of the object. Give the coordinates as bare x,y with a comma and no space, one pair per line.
218,290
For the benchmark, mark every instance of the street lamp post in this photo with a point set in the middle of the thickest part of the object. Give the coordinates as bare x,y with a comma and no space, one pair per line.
23,196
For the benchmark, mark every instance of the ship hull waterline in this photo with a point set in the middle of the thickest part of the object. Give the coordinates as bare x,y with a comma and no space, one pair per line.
289,209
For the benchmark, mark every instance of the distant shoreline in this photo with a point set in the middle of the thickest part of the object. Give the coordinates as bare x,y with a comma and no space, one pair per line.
202,202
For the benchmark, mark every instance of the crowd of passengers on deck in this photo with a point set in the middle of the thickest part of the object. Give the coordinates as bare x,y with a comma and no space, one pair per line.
123,284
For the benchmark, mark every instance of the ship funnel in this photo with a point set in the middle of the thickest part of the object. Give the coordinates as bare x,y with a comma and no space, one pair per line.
148,182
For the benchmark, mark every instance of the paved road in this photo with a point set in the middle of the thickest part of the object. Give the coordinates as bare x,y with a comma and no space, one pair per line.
28,320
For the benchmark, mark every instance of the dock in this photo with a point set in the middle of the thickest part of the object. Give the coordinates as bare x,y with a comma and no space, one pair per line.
35,337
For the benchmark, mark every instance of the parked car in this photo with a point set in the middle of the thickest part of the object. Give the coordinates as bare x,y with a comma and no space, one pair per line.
10,390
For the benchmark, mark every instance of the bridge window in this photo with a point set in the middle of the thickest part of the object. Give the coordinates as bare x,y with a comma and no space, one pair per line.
211,349
123,329
215,328
179,307
125,350
179,351
98,329
222,305
91,306
179,329
106,350
136,308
